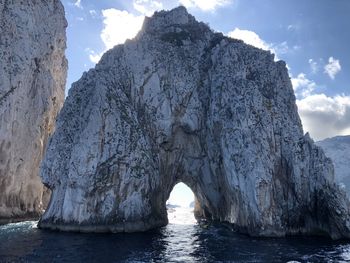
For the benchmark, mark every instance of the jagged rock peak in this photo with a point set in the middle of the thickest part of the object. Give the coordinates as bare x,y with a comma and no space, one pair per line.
163,19
33,71
180,103
176,25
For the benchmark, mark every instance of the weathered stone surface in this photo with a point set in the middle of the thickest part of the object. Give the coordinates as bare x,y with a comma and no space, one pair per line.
338,149
32,82
182,103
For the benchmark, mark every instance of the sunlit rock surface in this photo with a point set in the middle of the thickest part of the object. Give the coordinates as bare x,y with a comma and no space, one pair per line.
182,103
32,81
338,149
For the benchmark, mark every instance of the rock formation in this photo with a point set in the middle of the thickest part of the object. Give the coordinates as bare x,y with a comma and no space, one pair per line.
338,150
180,103
32,82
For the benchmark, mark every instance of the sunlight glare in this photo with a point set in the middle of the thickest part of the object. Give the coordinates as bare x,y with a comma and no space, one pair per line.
180,205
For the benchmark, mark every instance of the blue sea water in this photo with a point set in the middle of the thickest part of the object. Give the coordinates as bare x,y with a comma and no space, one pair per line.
24,242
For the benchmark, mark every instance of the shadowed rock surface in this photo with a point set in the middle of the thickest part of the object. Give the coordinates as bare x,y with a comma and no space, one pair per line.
180,103
32,82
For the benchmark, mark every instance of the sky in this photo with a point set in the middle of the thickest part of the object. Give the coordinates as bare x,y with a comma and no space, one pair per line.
181,195
311,36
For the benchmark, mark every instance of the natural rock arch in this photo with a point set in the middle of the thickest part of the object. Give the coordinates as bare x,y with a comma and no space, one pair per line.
182,103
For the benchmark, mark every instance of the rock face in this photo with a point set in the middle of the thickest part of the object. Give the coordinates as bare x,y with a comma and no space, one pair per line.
32,82
180,103
338,149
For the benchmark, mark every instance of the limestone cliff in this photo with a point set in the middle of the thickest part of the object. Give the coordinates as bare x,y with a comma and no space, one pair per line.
338,149
32,82
182,103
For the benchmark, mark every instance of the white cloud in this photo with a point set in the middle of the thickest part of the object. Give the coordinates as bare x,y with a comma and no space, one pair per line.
302,86
294,27
281,48
322,116
325,116
78,4
93,13
93,56
147,7
291,27
205,5
252,38
119,26
332,68
313,65
249,37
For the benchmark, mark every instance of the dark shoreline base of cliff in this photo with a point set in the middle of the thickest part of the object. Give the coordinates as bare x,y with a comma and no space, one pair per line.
124,227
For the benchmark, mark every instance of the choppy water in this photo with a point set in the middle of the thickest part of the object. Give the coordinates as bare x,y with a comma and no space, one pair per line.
24,242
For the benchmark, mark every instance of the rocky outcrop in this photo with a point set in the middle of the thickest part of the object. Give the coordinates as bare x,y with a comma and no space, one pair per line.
32,82
182,103
338,149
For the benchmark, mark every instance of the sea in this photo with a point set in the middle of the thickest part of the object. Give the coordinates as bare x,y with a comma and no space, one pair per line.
182,240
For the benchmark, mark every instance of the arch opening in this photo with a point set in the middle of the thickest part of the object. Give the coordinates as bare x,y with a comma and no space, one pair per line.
180,205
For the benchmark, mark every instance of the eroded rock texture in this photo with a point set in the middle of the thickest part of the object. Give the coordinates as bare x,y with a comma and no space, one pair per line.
182,103
32,82
338,149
